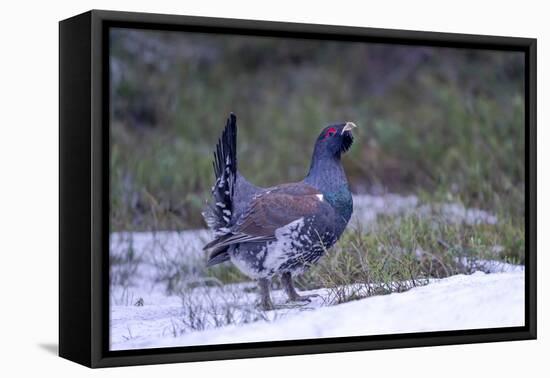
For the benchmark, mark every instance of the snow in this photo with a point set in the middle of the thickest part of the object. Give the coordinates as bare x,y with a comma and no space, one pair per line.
366,208
492,266
172,242
144,315
459,302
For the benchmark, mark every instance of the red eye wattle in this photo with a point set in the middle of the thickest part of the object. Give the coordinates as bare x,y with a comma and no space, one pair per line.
330,132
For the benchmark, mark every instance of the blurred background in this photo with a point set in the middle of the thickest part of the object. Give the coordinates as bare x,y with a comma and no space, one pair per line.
442,124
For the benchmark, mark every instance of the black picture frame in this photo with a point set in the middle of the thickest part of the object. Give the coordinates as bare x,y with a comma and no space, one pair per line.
84,188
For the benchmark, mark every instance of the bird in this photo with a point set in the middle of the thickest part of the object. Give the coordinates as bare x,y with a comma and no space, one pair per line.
281,230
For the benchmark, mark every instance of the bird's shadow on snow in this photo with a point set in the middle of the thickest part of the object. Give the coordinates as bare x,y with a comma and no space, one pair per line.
50,347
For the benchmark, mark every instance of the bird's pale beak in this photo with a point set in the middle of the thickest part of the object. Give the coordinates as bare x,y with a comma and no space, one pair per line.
349,126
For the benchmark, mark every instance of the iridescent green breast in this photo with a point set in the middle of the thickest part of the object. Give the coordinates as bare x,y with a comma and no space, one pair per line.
342,201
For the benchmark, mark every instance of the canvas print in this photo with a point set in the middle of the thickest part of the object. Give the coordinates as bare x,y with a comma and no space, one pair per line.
270,189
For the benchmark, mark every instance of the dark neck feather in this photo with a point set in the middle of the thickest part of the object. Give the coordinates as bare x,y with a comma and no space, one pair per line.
326,174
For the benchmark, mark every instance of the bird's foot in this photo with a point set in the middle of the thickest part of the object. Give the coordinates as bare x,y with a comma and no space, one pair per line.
292,305
302,298
295,302
292,294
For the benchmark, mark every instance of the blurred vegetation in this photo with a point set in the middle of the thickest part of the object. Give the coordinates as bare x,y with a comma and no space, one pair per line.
445,124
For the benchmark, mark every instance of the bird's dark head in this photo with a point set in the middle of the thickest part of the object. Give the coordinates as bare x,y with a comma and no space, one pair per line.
334,140
326,172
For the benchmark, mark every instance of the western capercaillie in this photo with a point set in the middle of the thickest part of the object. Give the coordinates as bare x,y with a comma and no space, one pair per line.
284,229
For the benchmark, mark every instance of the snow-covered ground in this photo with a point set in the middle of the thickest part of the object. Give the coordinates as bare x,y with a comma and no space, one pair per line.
459,302
145,315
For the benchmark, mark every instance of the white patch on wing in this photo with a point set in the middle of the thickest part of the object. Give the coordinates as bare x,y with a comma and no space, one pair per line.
320,196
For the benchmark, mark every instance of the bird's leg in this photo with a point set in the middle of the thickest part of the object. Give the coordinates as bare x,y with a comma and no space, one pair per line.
293,296
265,299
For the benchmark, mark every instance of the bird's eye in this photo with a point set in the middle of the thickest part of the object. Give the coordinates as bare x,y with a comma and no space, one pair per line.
330,132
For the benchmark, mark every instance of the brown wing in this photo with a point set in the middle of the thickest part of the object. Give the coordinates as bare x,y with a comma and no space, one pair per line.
272,211
268,212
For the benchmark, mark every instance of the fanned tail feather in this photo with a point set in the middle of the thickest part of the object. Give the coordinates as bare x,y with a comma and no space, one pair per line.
219,212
